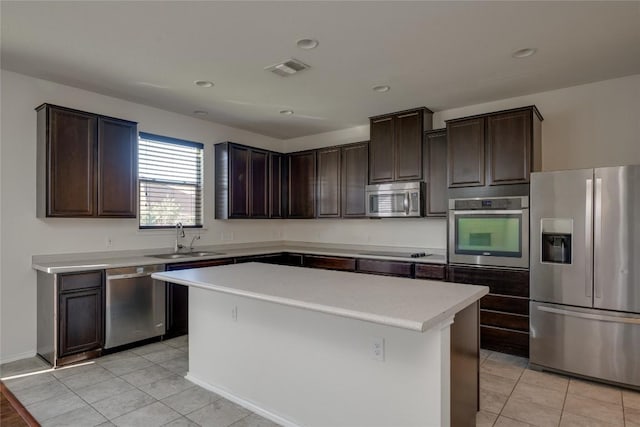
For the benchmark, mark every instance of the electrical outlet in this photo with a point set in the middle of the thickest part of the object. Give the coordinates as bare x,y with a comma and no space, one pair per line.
377,349
108,241
234,313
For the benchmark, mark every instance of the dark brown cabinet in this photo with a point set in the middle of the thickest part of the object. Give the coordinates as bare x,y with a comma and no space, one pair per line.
329,182
302,184
494,149
355,172
87,164
395,149
330,262
504,312
242,181
81,313
277,185
341,181
435,172
177,297
385,268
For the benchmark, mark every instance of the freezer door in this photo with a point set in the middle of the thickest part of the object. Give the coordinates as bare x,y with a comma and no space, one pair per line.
594,343
562,202
617,238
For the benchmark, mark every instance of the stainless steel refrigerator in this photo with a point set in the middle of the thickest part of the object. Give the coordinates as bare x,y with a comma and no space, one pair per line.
585,272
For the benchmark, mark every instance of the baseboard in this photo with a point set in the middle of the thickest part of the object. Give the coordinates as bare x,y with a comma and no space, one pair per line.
19,356
242,402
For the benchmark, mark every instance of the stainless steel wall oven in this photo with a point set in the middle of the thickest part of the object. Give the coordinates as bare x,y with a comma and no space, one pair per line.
489,231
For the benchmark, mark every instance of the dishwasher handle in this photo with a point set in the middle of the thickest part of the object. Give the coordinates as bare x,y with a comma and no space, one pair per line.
130,275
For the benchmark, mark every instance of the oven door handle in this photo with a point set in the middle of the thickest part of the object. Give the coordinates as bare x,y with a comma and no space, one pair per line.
490,212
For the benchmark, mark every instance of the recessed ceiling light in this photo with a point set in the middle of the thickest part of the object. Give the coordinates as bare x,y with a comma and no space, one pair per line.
200,113
286,112
383,88
524,53
307,43
203,83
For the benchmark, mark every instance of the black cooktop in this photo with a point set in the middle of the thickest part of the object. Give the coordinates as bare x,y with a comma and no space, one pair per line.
397,254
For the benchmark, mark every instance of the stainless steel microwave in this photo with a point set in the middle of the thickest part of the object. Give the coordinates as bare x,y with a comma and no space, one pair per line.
489,231
398,199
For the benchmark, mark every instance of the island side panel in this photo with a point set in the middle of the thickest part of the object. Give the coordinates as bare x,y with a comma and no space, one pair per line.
300,367
465,365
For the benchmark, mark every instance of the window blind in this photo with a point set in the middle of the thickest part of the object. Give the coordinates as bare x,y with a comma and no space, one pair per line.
170,180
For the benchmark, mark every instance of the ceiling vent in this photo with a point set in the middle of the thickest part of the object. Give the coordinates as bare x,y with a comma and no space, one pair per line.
288,67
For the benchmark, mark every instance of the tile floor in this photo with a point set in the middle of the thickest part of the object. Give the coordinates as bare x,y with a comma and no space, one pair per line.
145,387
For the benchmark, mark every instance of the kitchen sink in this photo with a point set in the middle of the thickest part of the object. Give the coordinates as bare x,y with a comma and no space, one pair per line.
185,255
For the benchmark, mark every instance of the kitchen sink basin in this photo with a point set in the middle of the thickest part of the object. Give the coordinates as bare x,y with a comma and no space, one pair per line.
185,255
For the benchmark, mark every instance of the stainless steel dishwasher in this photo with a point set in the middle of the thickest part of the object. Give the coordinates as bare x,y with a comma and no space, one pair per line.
135,305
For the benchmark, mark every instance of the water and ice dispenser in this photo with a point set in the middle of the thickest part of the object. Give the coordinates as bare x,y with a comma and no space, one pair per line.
556,240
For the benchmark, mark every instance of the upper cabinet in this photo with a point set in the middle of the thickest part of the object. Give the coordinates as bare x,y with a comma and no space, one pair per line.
242,181
435,172
277,185
494,149
87,164
302,184
342,178
395,149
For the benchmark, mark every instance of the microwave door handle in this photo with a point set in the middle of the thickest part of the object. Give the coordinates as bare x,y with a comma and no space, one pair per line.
406,203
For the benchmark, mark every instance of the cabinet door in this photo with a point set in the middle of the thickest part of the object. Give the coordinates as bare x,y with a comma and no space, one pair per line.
71,151
239,181
177,318
355,170
117,168
81,321
435,173
381,151
328,186
259,189
408,146
276,182
465,152
509,147
302,174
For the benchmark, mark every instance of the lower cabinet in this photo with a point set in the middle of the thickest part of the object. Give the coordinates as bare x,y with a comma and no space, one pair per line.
385,268
177,319
81,313
504,312
330,262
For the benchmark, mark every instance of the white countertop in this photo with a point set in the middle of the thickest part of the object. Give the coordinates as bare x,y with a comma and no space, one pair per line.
66,263
416,305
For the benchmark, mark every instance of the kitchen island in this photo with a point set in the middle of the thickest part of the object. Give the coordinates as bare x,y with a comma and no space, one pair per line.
326,348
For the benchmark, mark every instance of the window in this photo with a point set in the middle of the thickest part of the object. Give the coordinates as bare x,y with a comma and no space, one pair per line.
170,180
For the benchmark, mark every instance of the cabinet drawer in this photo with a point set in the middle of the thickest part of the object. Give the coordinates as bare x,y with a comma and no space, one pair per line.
504,320
434,272
499,281
77,281
330,263
506,304
199,264
504,340
387,268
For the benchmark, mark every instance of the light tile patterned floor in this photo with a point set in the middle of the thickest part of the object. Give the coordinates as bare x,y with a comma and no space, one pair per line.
145,387
513,395
140,387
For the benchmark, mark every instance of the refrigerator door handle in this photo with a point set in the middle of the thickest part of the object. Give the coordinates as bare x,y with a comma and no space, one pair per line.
597,236
600,317
588,232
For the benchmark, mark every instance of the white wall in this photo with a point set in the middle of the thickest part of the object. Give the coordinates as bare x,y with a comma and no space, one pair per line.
585,126
24,235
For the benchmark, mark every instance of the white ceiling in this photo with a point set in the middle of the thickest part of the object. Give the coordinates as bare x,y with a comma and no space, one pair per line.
437,54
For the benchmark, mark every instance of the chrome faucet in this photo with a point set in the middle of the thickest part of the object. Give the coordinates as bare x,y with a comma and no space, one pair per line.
196,237
179,234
